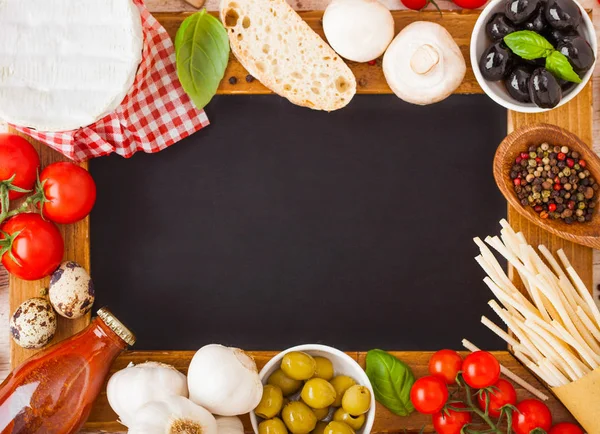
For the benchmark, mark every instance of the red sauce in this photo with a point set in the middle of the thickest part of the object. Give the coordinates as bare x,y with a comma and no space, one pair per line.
53,392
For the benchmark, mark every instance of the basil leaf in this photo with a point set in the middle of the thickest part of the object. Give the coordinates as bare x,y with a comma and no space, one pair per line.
391,380
528,44
558,64
181,32
202,53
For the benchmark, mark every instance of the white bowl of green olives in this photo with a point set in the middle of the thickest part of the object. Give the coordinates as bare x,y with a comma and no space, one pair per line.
314,389
531,86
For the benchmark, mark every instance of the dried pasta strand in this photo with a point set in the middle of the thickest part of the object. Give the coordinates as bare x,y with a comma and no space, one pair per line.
510,322
584,293
588,323
499,332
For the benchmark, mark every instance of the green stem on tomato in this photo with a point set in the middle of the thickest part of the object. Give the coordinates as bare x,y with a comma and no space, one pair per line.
481,414
36,198
5,201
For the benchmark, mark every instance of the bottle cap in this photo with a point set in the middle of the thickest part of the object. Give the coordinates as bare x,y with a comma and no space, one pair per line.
116,326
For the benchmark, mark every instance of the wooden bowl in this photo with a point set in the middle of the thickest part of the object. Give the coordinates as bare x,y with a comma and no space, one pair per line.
587,233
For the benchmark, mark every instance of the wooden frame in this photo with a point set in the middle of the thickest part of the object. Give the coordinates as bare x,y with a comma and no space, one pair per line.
576,116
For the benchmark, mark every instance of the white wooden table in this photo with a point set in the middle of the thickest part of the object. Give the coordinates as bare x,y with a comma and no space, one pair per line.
178,5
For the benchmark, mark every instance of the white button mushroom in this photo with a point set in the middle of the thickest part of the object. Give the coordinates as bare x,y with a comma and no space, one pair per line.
33,323
71,290
423,64
358,30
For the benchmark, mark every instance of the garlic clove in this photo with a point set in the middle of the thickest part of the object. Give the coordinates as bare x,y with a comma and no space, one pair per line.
229,425
132,387
173,415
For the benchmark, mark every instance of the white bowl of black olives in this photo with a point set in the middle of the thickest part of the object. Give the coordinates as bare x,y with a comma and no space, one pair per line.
314,389
533,55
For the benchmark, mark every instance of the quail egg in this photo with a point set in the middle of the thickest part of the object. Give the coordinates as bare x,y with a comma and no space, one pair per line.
71,290
33,324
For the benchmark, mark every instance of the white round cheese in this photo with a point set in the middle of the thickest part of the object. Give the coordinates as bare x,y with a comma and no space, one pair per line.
65,64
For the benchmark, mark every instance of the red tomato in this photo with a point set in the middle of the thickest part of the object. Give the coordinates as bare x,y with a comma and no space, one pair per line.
452,422
503,393
531,414
417,5
18,158
565,428
470,4
480,369
429,394
70,192
32,247
445,364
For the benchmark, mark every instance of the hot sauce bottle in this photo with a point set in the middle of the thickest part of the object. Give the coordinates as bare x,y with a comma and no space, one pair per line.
53,391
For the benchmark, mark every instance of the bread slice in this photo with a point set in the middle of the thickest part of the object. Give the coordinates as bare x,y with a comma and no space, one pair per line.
278,48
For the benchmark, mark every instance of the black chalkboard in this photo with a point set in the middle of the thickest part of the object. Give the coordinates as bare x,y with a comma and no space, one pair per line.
278,225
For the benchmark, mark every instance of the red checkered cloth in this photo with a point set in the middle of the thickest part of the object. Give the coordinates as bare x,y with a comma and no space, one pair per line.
155,113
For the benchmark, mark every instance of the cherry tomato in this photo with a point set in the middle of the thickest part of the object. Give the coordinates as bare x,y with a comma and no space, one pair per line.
470,4
452,422
70,192
18,158
480,369
445,364
531,414
429,394
565,428
417,5
503,393
32,247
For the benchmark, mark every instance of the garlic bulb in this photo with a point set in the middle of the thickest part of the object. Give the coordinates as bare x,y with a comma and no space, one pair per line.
134,386
229,425
224,380
173,415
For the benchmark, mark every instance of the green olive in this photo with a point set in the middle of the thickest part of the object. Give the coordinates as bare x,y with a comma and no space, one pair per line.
354,422
298,365
338,428
324,368
287,385
321,413
318,393
270,403
357,400
299,418
272,426
341,383
320,428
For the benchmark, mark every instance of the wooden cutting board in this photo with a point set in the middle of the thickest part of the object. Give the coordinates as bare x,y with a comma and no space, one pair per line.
576,116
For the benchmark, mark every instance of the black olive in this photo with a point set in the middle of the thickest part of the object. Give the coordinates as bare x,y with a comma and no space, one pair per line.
579,53
563,14
517,83
565,85
555,36
536,63
544,89
499,26
496,62
519,11
537,22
